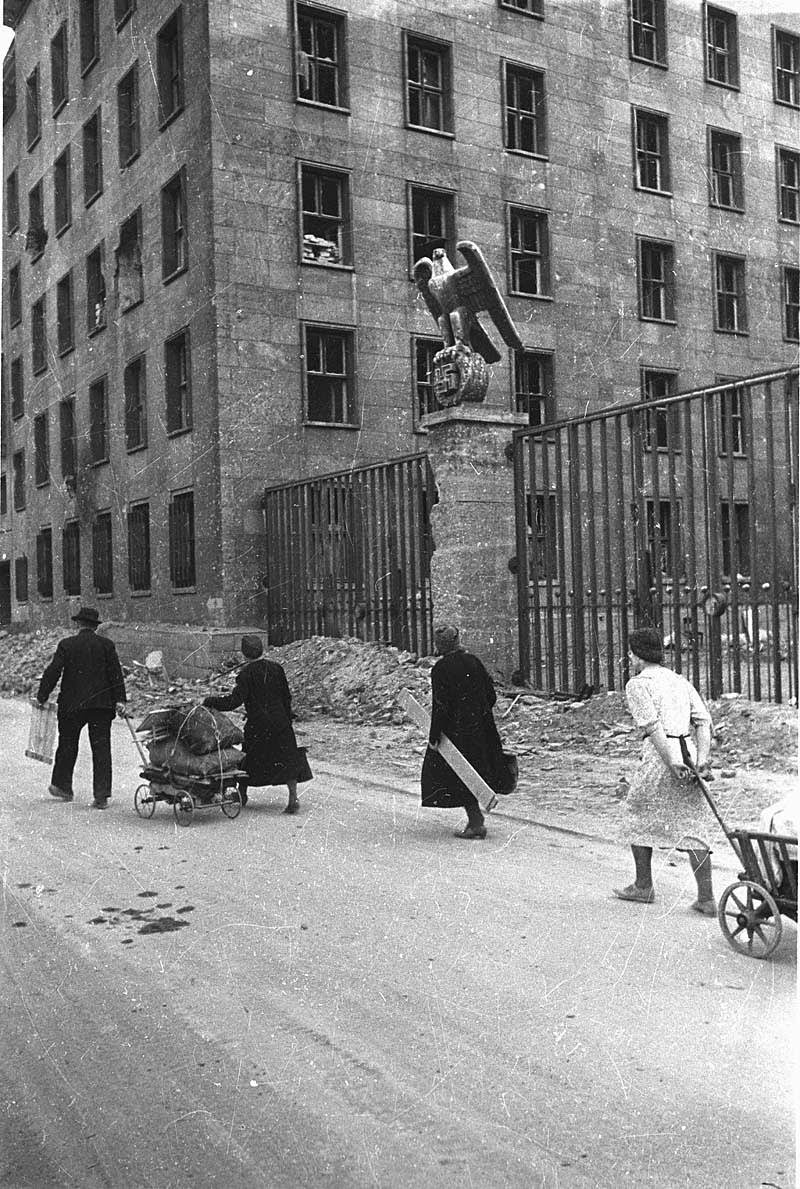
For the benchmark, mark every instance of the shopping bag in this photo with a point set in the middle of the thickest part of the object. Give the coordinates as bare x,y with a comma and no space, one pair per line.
42,733
305,772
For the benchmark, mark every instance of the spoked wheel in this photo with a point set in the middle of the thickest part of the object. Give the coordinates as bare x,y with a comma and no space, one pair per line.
144,801
750,920
231,804
183,808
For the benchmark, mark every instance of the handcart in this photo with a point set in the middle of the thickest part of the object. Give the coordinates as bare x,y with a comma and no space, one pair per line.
750,910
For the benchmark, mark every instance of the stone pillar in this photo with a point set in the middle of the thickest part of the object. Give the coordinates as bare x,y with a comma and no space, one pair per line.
473,530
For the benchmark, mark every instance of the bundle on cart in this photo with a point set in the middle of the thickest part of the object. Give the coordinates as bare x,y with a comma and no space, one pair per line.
192,741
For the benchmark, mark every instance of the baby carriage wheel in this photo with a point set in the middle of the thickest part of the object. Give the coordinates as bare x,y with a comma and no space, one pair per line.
183,808
231,802
749,919
143,801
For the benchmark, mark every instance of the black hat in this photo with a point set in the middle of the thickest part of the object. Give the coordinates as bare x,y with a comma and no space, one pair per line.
252,647
445,638
646,643
87,615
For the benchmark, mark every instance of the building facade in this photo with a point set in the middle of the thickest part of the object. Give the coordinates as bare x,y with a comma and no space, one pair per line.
211,215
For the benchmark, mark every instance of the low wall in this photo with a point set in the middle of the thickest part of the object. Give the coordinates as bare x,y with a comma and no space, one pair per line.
187,651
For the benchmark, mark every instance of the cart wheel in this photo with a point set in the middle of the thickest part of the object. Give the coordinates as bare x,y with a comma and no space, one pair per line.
183,808
750,920
144,801
231,804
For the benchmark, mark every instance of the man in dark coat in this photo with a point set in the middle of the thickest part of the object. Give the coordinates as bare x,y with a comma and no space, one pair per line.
463,697
92,690
271,752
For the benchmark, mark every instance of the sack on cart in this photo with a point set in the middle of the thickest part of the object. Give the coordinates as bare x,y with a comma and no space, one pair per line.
171,754
202,730
42,731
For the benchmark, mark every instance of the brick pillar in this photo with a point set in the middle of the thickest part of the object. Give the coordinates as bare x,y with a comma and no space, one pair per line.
473,530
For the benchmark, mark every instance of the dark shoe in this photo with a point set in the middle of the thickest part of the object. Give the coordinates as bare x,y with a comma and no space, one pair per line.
641,895
471,832
55,791
101,804
706,908
292,807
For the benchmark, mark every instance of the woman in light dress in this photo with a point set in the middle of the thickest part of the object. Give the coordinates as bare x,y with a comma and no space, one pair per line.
665,805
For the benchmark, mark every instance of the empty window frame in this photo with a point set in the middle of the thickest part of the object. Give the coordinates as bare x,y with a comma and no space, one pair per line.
725,174
325,215
62,192
128,116
542,524
14,296
71,557
178,383
36,237
531,8
788,170
648,31
533,386
89,34
169,65
18,468
651,151
95,290
529,252
12,202
17,388
58,68
68,445
321,62
735,538
102,554
174,239
329,375
33,109
139,577
44,563
3,494
786,67
123,9
39,336
731,421
135,391
657,385
423,351
791,304
432,222
428,84
525,127
21,579
9,85
663,534
181,541
730,294
92,158
656,280
722,47
41,450
128,273
98,421
65,315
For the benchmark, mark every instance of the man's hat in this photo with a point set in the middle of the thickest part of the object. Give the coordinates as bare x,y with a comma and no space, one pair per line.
87,615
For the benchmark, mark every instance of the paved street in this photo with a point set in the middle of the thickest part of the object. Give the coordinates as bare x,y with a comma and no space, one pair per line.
352,997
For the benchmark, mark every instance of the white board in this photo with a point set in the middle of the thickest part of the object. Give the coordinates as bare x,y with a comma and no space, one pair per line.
487,798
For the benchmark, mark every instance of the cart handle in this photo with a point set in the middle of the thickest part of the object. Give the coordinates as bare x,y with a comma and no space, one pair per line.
145,759
690,764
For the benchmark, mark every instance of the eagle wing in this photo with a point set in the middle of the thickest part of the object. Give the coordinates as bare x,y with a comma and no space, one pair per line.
423,271
477,290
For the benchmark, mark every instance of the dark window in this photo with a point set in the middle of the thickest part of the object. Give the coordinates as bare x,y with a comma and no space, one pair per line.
657,386
428,84
791,304
44,563
181,540
178,383
19,480
128,117
174,242
424,399
71,557
789,185
722,50
14,296
95,290
542,521
129,284
529,252
660,534
525,128
731,422
89,34
33,111
651,133
170,67
102,554
62,192
432,222
41,450
786,59
36,238
17,388
122,10
533,386
731,297
139,547
725,169
656,281
9,85
3,495
533,8
58,68
92,158
321,62
39,336
325,216
329,375
98,420
65,315
12,202
67,440
135,404
735,544
648,31
21,579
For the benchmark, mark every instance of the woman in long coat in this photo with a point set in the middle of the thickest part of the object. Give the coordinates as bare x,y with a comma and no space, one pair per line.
463,695
271,752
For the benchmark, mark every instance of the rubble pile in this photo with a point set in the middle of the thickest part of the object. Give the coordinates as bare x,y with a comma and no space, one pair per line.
24,657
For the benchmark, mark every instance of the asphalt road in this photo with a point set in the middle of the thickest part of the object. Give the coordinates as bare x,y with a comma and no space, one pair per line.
352,997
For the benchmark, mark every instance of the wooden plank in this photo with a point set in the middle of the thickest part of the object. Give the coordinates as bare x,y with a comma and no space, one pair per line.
487,798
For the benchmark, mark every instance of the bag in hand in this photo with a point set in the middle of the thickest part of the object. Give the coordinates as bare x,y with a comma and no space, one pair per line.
508,776
305,768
